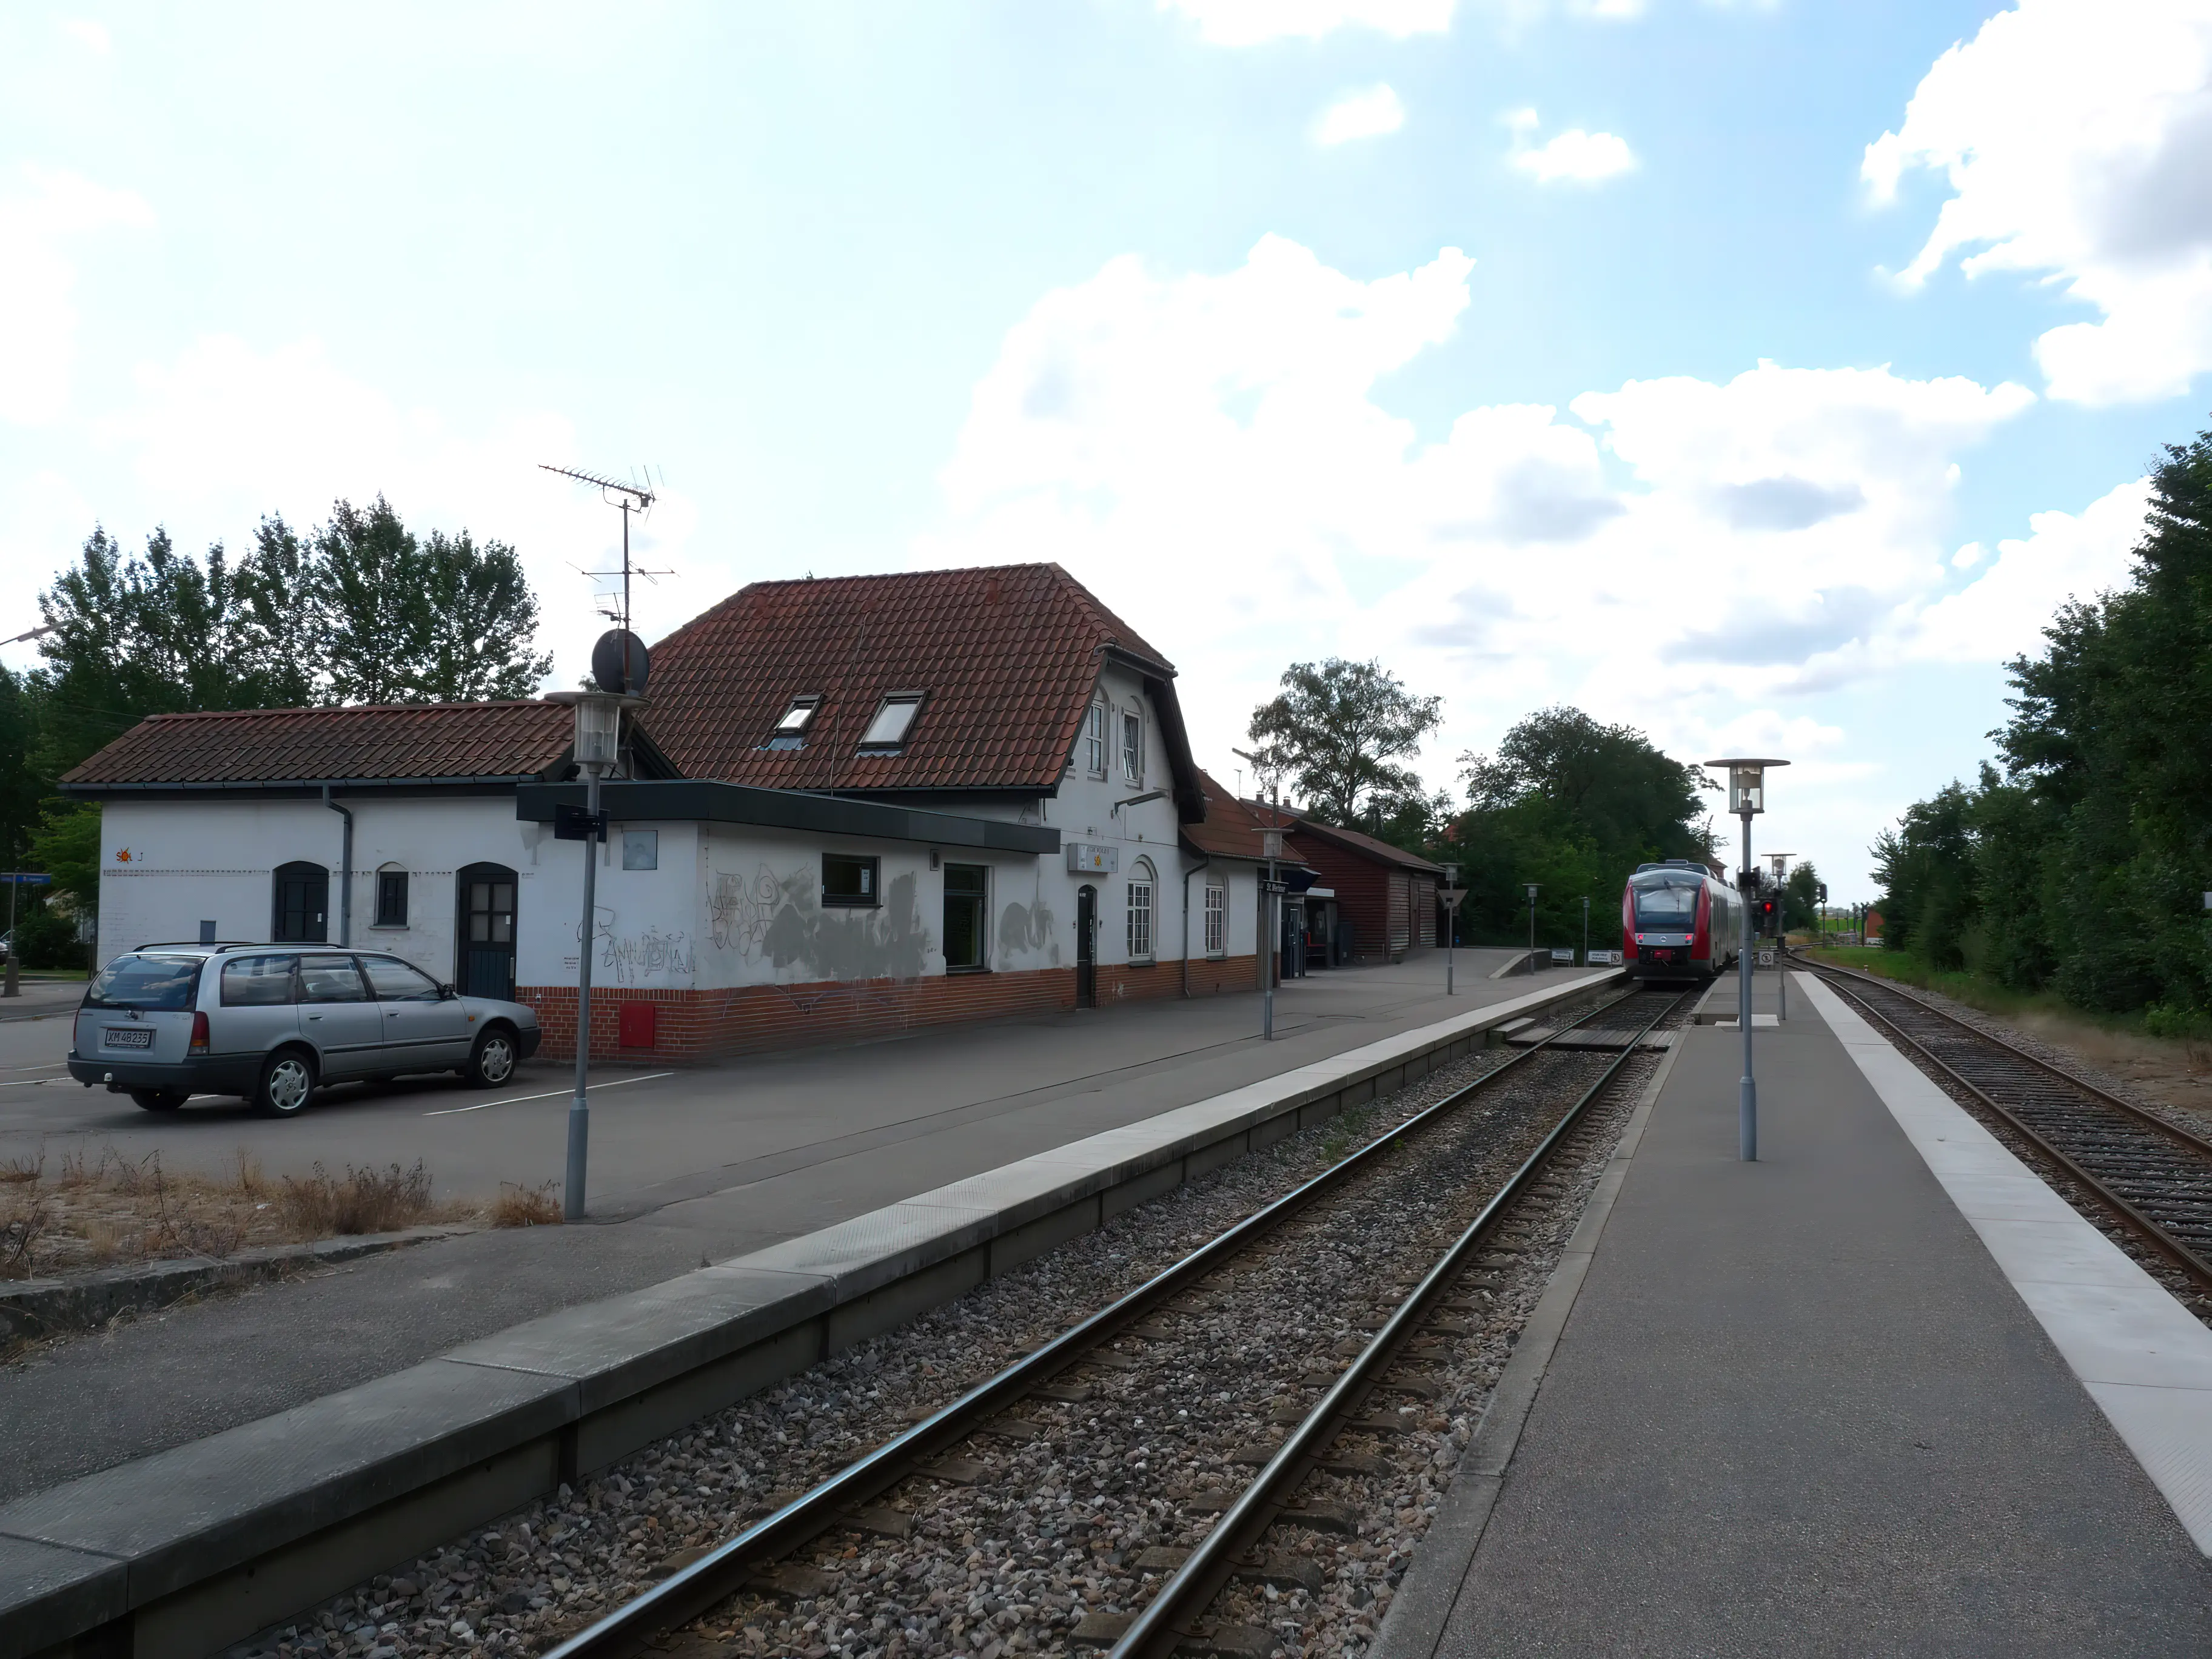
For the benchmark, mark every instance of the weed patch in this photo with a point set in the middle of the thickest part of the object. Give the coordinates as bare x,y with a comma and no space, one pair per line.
525,1206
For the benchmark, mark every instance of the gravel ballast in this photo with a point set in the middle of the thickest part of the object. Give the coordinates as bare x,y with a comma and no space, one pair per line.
1069,1512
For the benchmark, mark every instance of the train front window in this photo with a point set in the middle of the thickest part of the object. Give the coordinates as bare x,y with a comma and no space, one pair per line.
1671,908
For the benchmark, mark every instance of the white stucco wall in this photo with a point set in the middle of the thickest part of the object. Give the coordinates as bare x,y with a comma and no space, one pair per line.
167,865
726,906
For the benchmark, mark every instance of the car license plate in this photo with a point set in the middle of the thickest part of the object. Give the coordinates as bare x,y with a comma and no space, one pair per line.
139,1037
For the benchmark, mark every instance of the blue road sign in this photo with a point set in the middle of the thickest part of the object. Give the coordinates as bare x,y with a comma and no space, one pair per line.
26,878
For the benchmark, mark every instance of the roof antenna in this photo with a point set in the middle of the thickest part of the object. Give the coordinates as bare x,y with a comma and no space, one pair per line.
630,498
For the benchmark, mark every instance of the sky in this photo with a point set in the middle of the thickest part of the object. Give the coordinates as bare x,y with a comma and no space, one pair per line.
1762,375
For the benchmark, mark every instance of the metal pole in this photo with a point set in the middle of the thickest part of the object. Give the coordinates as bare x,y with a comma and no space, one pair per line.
1452,939
1267,959
1585,930
13,988
1747,1101
1532,932
579,1114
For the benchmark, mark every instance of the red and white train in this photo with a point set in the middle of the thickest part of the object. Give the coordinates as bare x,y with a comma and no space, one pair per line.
1679,920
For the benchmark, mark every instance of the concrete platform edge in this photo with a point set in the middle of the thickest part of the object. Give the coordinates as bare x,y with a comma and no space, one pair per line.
2144,1359
263,1527
1414,1626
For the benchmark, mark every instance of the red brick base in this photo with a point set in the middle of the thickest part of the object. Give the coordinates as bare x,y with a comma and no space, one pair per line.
753,1018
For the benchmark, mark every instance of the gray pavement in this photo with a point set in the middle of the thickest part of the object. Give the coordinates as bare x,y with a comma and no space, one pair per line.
1797,1408
703,1165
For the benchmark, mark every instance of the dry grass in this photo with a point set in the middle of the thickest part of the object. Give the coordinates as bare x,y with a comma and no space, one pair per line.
525,1206
86,1210
2177,1071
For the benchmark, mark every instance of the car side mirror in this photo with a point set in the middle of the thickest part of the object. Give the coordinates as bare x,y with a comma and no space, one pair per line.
446,993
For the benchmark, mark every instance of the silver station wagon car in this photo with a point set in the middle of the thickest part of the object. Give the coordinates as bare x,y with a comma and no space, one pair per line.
273,1022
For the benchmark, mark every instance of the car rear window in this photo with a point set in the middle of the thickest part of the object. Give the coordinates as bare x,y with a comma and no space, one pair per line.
146,982
258,982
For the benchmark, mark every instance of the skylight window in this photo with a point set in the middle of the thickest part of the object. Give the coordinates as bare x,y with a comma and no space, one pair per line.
797,717
894,719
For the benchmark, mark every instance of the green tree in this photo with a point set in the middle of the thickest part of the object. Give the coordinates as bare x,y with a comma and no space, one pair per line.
484,618
23,781
66,846
408,621
1575,807
1338,731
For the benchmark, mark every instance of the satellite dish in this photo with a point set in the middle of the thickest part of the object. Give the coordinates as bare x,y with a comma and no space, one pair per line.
619,662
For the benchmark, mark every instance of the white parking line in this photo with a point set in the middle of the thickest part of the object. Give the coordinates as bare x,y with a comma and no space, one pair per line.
551,1094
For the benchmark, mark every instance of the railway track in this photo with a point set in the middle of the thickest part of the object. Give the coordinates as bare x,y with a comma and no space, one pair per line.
2153,1176
1270,1279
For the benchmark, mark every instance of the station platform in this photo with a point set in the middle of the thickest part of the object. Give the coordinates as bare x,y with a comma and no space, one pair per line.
1881,1391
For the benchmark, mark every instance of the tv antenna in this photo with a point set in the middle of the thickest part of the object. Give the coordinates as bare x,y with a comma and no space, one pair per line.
629,498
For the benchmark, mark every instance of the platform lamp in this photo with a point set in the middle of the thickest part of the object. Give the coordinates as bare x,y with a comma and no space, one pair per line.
1746,800
598,742
1532,887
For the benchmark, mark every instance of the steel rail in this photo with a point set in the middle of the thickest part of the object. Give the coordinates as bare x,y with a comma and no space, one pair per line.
727,1568
2153,1232
1183,1598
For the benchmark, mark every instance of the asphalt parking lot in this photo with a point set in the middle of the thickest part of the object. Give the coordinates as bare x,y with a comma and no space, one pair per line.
662,1135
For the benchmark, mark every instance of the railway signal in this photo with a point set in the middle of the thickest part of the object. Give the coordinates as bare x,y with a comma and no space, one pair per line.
1746,800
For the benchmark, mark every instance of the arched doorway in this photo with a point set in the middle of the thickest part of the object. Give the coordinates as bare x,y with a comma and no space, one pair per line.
485,913
301,910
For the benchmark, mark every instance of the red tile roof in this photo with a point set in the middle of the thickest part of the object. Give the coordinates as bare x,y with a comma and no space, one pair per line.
1007,656
294,745
1352,841
1231,829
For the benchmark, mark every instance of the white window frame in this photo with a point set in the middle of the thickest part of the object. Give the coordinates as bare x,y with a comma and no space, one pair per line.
1217,919
1133,745
1095,738
1142,896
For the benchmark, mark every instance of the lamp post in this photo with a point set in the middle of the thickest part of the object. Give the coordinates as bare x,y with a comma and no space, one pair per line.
1532,887
1746,799
1585,930
597,743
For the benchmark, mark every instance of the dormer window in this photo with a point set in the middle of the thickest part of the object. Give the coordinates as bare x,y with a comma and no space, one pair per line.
791,731
887,732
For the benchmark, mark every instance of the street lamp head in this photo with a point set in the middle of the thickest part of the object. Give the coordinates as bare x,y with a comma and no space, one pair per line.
598,737
1747,782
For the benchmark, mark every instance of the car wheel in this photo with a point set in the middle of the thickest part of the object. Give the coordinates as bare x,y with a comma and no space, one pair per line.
159,1100
492,1061
288,1078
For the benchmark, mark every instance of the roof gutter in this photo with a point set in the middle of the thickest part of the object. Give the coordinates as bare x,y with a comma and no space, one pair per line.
93,791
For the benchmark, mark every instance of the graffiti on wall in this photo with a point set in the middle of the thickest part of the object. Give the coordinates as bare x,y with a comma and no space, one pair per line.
1024,928
776,919
739,912
628,959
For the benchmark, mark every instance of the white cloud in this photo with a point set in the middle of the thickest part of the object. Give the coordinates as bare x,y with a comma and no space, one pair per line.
38,319
2074,136
1366,114
224,433
88,33
1207,451
1573,156
2063,557
1250,22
